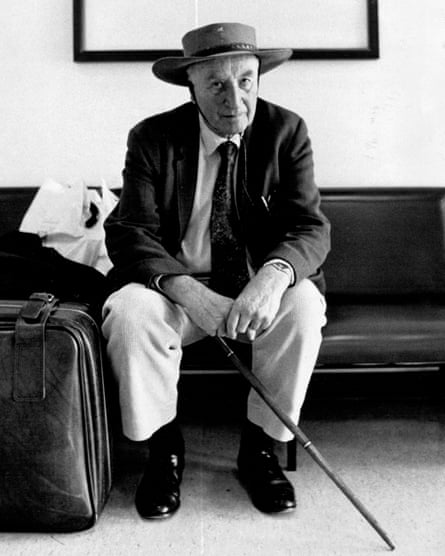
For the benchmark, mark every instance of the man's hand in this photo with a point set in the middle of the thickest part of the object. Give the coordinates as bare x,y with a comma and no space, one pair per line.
257,305
252,312
207,309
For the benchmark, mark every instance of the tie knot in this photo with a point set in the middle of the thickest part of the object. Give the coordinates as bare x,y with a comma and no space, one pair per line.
228,150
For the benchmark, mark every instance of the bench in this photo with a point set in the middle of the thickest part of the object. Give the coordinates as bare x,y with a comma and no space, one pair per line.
386,282
385,276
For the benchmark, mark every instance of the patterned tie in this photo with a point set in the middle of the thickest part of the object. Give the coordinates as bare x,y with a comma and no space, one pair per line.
229,267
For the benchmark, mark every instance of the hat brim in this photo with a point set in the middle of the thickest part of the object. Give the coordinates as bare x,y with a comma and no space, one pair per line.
173,69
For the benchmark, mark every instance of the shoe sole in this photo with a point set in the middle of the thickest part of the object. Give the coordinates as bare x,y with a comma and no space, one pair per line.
159,516
262,510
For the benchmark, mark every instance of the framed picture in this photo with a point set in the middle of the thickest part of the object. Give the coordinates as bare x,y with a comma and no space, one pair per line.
144,30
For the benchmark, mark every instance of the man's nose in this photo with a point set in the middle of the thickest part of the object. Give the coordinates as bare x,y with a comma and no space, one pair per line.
232,97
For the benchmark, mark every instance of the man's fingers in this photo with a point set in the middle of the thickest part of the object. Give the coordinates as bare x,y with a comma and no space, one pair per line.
244,322
239,323
221,331
231,325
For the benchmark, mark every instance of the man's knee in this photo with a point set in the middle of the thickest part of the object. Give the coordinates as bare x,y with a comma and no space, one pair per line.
132,306
305,306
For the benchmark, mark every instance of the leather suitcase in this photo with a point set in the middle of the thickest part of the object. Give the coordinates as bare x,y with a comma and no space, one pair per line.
55,461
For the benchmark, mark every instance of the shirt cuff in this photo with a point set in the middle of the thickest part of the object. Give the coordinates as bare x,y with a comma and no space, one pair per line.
155,283
288,265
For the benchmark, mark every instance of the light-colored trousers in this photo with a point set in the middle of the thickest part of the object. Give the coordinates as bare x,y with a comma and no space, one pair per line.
145,333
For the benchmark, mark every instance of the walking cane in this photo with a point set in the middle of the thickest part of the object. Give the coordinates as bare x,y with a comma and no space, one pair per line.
302,439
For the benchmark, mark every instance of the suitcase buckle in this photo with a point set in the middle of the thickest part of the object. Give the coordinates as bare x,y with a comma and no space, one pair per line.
47,297
37,302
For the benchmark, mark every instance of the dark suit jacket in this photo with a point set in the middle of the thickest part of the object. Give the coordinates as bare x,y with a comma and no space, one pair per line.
277,200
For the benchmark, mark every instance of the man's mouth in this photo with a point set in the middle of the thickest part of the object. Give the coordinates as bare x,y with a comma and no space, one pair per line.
233,116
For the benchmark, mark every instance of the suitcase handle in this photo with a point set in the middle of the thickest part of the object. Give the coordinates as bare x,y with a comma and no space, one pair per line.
29,365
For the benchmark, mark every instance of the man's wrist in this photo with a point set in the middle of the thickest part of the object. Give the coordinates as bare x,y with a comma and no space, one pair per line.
179,288
282,266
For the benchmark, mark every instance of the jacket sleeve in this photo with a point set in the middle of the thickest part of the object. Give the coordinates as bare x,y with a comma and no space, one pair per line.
297,230
134,230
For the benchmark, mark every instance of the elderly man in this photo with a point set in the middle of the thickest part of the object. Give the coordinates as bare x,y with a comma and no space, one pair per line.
218,231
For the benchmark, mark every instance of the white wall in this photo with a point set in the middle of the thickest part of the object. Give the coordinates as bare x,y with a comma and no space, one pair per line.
372,122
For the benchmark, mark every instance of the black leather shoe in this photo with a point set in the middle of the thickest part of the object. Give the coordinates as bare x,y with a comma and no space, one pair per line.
158,494
265,482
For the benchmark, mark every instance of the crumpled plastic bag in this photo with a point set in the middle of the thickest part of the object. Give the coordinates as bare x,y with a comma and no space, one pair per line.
70,218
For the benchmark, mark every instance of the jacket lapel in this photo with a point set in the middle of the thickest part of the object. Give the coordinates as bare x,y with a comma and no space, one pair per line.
186,160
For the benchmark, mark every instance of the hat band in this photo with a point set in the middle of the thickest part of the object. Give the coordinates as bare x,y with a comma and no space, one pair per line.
232,47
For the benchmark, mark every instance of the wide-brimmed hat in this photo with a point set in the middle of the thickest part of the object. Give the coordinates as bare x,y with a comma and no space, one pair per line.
213,41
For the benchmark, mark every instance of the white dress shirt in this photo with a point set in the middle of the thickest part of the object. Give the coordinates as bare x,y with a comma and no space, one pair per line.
195,247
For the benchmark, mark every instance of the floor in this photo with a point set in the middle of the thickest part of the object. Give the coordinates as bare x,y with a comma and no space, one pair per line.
388,445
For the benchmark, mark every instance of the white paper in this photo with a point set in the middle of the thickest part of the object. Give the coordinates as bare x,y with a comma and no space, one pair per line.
58,214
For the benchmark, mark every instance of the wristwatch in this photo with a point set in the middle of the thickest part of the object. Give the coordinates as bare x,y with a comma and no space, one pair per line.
282,267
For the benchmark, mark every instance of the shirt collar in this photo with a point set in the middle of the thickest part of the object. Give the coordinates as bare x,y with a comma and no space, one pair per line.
211,141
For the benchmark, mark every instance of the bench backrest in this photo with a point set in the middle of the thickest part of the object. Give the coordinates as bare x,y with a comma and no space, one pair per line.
13,203
384,240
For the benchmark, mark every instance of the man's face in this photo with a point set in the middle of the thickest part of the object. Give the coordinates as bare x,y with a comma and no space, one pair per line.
226,91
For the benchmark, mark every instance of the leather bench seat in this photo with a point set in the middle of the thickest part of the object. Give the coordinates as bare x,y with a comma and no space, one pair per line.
393,332
385,276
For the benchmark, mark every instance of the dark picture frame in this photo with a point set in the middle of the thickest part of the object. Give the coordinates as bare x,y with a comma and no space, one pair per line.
83,54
